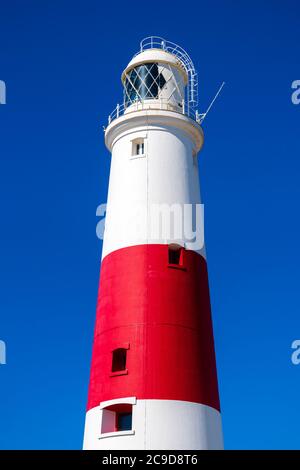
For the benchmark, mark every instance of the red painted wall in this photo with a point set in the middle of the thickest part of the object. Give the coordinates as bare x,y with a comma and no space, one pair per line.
164,315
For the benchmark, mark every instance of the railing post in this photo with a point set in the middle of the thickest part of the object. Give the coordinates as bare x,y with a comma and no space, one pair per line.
183,107
109,119
118,110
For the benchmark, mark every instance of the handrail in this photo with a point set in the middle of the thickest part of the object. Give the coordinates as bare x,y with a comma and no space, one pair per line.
156,42
161,104
188,106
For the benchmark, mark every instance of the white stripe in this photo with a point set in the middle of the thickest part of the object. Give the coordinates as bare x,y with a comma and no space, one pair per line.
161,425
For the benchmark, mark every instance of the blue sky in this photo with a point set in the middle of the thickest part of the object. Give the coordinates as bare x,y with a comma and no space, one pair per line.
61,62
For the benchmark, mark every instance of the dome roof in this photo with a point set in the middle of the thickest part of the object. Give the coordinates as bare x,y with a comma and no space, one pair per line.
156,55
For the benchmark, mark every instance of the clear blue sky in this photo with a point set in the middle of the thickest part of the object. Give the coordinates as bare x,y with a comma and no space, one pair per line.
62,61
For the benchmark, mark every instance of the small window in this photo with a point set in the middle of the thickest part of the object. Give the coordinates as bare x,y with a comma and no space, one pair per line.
116,418
119,359
175,255
138,147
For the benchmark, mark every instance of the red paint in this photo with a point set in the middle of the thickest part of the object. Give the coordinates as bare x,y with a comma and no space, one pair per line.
164,314
120,408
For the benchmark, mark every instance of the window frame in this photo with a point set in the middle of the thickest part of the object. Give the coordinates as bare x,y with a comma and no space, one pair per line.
139,140
109,410
181,265
125,346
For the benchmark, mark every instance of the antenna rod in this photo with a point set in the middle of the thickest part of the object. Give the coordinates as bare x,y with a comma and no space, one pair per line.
212,102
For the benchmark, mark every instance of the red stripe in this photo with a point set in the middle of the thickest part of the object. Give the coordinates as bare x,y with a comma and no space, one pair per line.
164,315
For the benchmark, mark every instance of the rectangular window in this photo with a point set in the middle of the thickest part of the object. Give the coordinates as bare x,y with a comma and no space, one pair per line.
175,255
116,418
138,147
119,359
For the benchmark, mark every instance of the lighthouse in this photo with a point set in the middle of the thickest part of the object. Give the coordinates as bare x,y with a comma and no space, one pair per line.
153,381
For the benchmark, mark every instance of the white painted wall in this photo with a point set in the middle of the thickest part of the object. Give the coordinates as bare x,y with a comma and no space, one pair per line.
161,425
166,174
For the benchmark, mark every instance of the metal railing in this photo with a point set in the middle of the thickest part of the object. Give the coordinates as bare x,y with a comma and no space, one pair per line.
188,106
156,42
161,104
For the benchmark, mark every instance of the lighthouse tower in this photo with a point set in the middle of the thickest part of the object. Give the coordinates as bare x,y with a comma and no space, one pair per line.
153,381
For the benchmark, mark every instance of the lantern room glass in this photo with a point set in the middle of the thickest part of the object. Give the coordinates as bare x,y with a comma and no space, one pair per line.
143,82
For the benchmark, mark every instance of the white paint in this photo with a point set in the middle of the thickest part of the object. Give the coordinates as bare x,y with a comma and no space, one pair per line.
166,174
161,425
116,434
119,401
156,55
